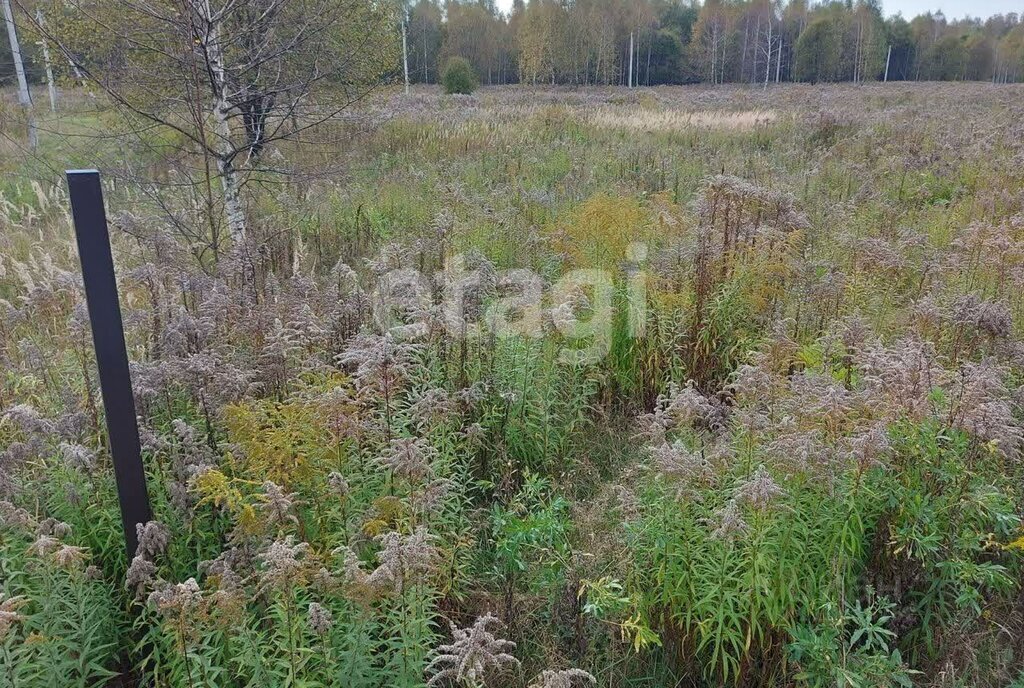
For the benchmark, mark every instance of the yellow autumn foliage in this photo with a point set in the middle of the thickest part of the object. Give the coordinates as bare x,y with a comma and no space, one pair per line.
597,233
277,439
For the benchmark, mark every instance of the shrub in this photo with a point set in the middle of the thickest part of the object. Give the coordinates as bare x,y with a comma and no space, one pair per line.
458,76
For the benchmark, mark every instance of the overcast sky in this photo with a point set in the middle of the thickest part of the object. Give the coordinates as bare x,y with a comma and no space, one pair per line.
953,9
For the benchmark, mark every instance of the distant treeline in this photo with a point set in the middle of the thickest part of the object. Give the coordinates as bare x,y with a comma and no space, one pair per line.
581,42
595,42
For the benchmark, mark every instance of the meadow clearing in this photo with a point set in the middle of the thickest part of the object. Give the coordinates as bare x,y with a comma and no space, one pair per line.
536,387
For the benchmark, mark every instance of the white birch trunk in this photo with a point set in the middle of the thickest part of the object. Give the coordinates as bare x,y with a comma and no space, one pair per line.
50,85
224,149
888,57
857,65
768,55
405,57
778,62
714,56
24,97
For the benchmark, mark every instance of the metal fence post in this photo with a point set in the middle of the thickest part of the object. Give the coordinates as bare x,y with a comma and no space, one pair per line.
111,355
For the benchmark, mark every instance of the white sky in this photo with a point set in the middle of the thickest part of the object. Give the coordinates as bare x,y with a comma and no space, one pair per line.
953,9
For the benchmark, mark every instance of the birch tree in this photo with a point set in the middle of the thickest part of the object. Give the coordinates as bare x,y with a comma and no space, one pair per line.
226,79
51,85
709,39
405,45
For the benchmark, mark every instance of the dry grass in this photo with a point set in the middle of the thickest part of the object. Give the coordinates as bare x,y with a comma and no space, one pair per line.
642,119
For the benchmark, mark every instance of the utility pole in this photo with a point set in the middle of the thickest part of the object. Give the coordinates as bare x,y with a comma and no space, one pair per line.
24,98
888,56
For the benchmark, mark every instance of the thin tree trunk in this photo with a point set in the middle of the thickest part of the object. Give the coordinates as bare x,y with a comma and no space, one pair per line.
768,55
743,56
405,58
630,84
714,54
778,62
24,97
856,57
753,56
647,77
232,195
50,85
225,151
426,79
722,63
888,57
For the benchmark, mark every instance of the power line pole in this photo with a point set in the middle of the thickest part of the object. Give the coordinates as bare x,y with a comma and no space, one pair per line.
24,97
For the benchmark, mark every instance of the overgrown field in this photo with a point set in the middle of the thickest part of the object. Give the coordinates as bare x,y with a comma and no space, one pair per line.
690,386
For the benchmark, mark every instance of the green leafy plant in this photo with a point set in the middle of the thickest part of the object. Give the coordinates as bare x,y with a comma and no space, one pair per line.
458,76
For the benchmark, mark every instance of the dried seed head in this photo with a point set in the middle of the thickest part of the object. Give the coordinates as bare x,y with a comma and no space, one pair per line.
987,317
9,615
77,457
338,485
277,505
687,471
51,526
69,557
140,575
729,523
565,678
379,362
473,654
28,420
753,383
351,566
153,538
320,618
760,490
430,498
43,545
431,406
182,599
403,559
16,517
284,564
408,458
868,448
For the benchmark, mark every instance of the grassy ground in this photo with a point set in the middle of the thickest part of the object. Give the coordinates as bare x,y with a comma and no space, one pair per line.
805,471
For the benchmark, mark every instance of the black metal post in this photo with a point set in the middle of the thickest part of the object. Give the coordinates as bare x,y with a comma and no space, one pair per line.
111,354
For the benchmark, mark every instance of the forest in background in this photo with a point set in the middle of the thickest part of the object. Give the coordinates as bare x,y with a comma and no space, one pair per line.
589,42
